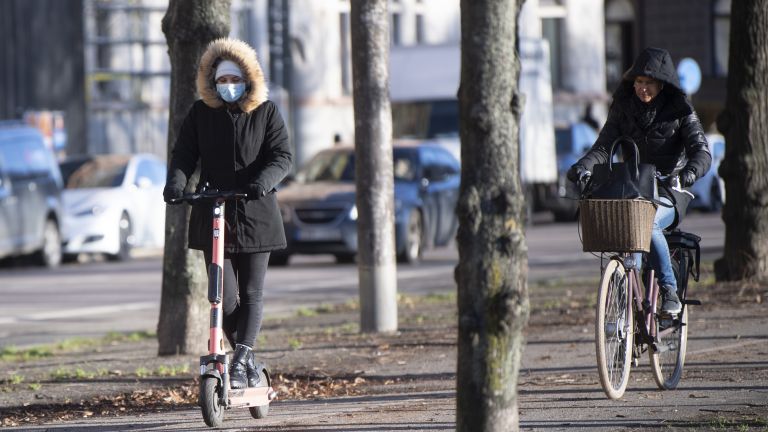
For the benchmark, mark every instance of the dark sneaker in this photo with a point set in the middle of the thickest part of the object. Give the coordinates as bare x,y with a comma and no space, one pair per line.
670,303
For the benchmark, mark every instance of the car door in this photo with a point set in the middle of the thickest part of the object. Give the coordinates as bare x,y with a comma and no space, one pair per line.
9,225
40,187
448,193
149,211
20,206
441,179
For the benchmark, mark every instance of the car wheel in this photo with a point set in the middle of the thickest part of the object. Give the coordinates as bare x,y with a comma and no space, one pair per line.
279,259
50,254
412,249
124,253
565,215
345,258
715,197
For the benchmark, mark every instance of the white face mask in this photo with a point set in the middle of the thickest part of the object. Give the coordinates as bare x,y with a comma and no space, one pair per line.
230,92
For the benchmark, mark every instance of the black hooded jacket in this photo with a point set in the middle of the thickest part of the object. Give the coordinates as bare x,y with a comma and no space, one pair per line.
235,151
674,138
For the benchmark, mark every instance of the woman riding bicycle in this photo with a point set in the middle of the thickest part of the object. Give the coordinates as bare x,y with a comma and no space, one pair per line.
649,107
239,138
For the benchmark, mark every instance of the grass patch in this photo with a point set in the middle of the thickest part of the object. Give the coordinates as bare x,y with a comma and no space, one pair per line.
62,374
14,354
172,371
294,344
306,312
114,337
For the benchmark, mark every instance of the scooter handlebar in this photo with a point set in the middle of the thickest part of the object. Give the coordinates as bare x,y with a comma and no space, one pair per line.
209,195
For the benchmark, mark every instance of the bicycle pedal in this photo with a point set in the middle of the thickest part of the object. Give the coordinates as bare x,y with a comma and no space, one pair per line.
692,302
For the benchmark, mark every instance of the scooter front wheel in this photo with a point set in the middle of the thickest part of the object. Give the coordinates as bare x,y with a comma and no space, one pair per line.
213,412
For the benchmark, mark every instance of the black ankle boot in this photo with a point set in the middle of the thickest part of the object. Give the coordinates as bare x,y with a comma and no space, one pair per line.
237,374
253,372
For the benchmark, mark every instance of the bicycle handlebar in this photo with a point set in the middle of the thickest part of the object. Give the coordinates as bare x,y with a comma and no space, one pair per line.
209,195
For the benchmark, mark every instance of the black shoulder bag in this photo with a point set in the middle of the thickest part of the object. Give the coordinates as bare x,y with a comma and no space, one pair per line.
625,180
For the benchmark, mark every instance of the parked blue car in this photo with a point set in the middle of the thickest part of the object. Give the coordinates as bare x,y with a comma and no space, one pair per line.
571,143
320,215
709,190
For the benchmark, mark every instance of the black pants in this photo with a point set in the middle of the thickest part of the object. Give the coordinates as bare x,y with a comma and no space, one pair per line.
243,292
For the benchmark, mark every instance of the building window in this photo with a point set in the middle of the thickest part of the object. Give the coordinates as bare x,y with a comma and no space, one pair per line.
420,29
346,57
395,29
619,40
551,29
722,26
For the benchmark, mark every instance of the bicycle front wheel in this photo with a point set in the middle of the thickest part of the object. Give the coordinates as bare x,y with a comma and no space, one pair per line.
672,336
614,330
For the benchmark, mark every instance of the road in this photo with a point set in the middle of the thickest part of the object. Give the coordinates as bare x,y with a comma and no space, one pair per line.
91,299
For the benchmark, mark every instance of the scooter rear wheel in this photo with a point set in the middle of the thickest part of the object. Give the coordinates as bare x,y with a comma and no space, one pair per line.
260,412
213,412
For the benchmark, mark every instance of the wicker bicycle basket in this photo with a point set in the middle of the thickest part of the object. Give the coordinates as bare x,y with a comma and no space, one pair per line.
619,225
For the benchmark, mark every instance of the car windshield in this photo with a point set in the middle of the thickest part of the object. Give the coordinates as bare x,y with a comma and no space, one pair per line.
99,172
340,166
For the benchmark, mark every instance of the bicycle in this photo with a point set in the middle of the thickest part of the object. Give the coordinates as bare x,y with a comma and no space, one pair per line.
215,392
628,323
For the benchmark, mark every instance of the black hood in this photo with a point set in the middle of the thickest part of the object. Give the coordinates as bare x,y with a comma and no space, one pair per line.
655,63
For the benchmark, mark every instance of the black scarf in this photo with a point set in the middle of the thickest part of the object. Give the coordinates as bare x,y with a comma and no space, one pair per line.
645,113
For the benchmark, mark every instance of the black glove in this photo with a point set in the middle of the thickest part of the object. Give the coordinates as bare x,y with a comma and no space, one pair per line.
172,193
256,191
687,177
575,172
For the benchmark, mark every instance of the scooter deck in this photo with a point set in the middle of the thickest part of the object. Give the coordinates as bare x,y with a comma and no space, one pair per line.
251,397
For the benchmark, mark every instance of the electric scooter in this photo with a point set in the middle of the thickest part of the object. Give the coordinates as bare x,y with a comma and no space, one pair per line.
216,396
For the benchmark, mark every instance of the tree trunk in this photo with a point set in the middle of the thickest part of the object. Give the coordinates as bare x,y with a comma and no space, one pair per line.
744,123
493,259
373,155
182,327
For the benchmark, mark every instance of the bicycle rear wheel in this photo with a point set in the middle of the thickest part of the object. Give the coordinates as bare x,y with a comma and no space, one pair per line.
614,330
672,335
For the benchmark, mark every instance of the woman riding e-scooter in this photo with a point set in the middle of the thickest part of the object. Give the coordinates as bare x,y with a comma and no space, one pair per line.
241,142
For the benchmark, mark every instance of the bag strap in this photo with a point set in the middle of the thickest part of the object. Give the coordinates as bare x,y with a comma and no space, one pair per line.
628,140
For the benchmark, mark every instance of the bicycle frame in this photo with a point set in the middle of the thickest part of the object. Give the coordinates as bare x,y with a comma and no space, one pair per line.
644,303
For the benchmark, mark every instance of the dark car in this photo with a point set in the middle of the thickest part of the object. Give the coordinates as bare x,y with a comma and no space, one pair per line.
30,196
319,209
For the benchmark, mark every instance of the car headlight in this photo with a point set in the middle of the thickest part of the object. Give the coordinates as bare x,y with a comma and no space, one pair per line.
93,211
353,213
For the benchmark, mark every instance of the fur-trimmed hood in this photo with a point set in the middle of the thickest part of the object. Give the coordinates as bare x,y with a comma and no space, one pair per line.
245,57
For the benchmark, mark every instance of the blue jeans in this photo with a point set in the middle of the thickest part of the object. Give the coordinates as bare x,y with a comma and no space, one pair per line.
659,254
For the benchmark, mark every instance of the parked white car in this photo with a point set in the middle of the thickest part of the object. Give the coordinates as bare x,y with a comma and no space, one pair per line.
112,204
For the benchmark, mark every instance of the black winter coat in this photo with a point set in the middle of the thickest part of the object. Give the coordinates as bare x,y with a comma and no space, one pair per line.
235,151
672,141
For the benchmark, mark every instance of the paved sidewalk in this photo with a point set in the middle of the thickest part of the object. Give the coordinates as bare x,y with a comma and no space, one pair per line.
406,381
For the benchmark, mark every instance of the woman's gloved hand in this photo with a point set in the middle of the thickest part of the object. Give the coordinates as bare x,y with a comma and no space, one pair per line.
687,177
171,193
575,172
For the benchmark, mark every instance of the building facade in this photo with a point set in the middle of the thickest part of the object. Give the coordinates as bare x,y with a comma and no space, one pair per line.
111,79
